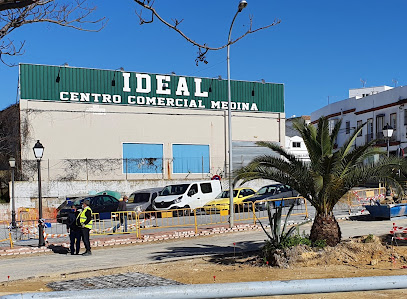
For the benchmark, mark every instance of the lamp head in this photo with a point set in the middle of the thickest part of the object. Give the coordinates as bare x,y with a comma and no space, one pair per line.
388,131
38,150
242,5
12,162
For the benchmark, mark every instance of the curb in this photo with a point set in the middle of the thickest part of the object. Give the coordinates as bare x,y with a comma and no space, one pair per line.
156,238
127,241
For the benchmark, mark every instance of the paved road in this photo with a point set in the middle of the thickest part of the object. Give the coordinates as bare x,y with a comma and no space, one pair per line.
22,267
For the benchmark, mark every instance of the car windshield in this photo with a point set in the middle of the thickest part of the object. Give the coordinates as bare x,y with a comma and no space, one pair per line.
174,189
139,197
78,202
225,194
267,190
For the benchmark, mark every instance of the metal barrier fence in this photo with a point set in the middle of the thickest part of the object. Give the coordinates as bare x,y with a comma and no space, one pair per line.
363,197
5,235
209,215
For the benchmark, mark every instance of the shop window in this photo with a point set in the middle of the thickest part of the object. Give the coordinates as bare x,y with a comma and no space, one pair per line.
190,158
142,158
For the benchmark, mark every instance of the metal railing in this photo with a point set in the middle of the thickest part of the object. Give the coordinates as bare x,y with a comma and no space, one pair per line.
363,197
208,215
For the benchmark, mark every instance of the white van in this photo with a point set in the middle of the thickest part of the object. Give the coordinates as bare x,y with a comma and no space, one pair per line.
189,195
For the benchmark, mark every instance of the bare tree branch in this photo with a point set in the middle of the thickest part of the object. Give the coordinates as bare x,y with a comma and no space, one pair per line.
16,13
203,48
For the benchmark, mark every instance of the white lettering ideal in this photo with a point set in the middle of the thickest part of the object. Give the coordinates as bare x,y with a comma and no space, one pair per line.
182,89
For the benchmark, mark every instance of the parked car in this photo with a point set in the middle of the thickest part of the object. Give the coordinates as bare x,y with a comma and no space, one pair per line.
103,204
274,191
189,196
142,200
222,201
69,200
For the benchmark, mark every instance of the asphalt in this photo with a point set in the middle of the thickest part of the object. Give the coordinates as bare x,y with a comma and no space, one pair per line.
50,264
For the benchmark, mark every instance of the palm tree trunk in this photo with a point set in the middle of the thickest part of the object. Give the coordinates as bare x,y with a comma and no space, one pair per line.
325,227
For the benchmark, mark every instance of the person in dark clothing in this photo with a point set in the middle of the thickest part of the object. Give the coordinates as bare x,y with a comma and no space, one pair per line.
74,230
84,220
122,216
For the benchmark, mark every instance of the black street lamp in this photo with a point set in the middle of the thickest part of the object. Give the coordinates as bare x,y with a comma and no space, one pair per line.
12,163
38,152
388,132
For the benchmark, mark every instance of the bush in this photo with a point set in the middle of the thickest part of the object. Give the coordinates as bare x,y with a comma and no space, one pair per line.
295,240
319,243
369,239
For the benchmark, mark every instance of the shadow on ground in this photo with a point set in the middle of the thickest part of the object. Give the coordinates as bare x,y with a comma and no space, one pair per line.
59,249
367,217
238,248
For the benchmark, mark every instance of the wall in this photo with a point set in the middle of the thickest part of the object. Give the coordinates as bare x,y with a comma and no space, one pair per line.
73,131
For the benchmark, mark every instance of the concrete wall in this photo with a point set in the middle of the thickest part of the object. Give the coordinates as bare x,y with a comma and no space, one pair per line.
54,192
87,131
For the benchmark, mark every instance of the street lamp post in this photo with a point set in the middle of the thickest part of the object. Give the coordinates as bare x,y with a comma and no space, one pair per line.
388,132
242,5
12,163
38,152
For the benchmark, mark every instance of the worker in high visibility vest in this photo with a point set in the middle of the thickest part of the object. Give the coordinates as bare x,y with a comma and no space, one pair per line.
84,221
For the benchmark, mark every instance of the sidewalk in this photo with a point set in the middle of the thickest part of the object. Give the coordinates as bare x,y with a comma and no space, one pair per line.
177,245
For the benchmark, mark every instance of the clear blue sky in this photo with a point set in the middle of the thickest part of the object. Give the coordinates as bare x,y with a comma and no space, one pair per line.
320,49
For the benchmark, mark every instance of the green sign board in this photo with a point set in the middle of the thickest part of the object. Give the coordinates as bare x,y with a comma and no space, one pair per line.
81,85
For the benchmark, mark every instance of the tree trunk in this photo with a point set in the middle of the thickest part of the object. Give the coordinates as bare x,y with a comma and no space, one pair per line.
325,227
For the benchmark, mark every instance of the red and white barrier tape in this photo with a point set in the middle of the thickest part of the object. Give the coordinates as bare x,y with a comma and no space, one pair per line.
398,230
358,198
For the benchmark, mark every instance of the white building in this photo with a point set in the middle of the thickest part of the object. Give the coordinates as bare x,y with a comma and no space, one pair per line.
375,106
294,144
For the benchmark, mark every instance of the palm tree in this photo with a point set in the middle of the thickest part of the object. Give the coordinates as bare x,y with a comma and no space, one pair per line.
329,175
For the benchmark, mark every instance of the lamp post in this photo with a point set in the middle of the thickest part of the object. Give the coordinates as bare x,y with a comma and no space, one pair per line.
388,132
242,5
12,163
38,152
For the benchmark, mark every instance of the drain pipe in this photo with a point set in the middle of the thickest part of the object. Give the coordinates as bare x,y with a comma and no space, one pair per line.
231,290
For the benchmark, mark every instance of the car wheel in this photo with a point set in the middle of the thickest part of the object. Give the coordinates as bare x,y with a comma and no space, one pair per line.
187,211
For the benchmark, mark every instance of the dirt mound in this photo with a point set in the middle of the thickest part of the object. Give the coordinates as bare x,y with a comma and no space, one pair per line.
355,252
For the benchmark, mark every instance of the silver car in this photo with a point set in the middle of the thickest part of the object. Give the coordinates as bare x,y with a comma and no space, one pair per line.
142,200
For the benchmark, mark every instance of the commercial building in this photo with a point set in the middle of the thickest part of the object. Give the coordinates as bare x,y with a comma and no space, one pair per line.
375,106
104,125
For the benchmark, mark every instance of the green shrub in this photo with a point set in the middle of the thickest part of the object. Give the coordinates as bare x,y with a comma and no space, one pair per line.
295,240
319,243
369,239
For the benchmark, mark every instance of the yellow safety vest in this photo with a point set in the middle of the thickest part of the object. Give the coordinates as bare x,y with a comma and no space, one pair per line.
82,218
